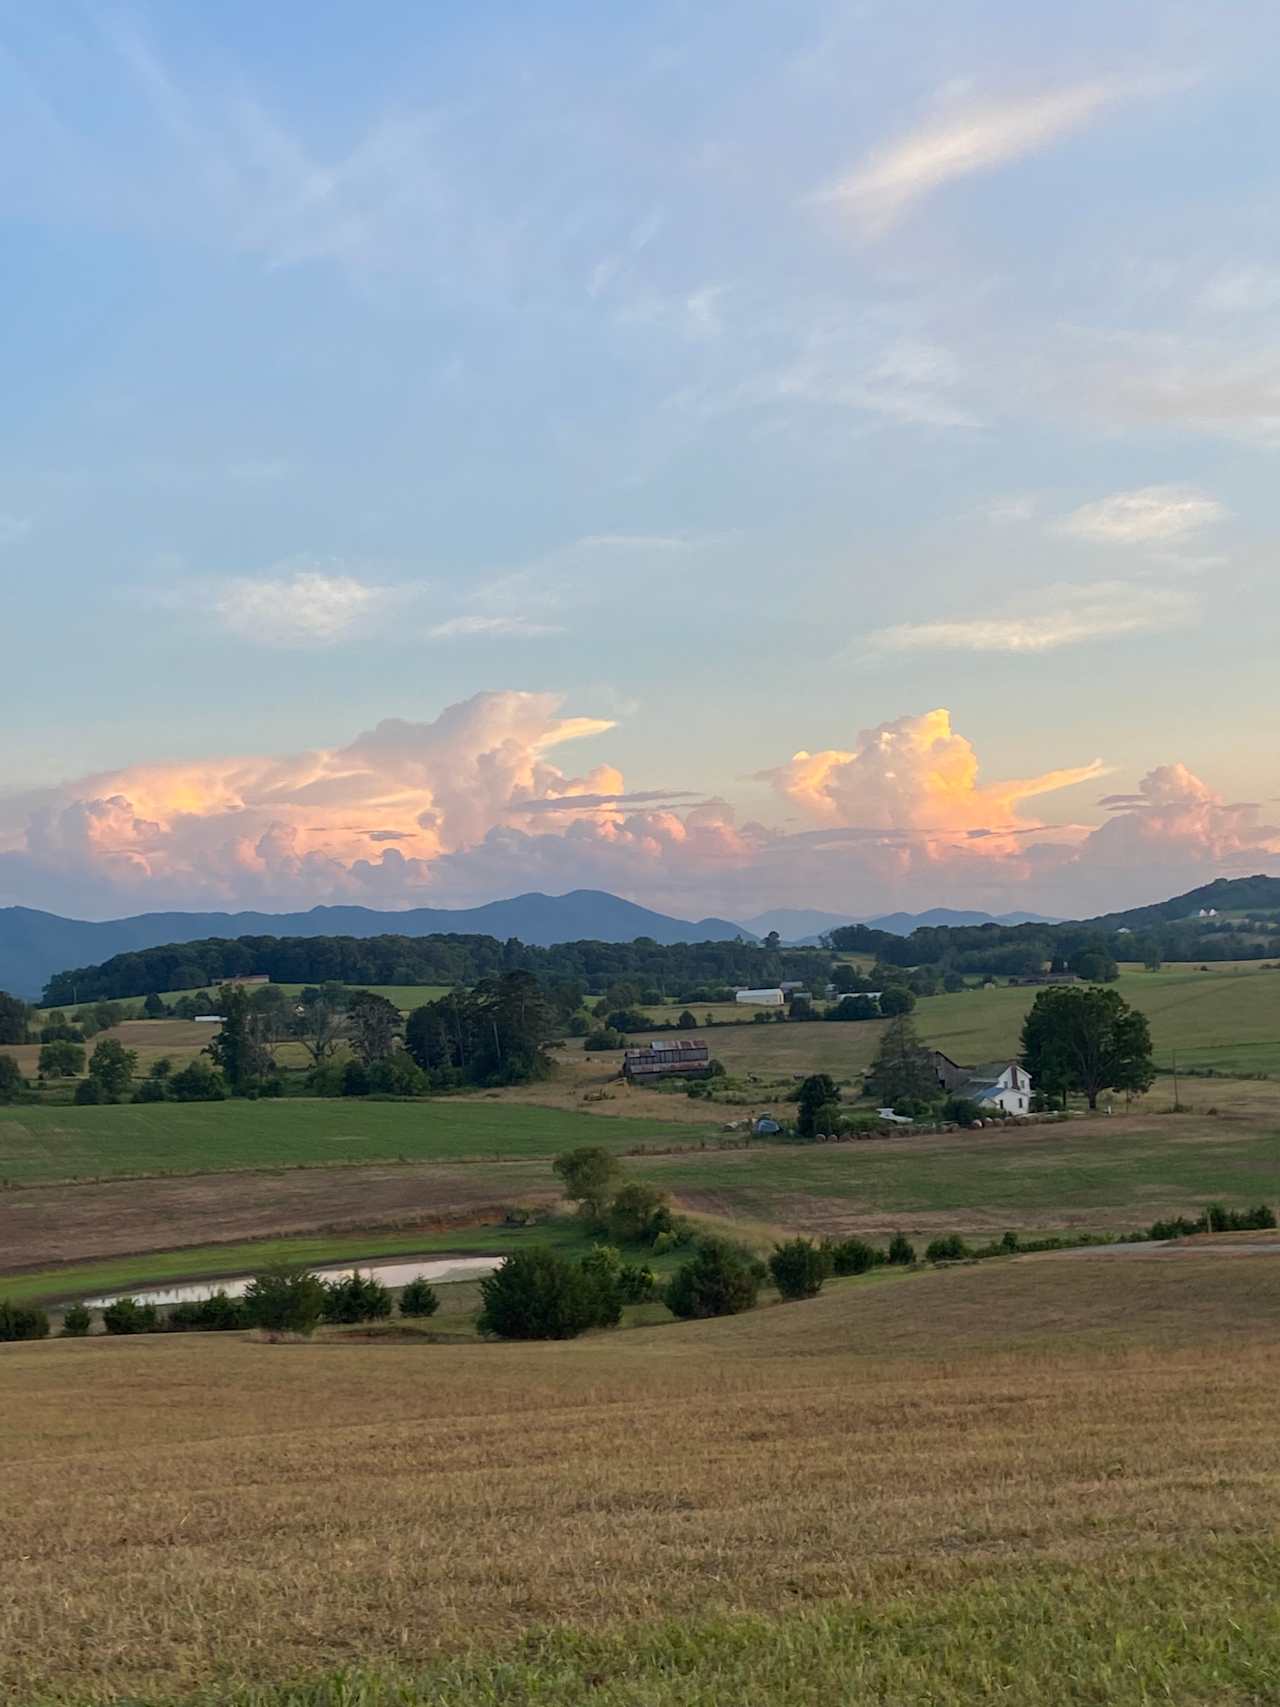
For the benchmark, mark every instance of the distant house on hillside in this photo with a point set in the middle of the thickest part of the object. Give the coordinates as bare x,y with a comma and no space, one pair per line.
991,1084
656,1060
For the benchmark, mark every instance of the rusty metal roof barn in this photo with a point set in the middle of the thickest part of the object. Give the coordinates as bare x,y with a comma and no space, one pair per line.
677,1055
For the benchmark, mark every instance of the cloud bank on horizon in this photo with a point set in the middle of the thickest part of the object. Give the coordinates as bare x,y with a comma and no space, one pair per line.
474,805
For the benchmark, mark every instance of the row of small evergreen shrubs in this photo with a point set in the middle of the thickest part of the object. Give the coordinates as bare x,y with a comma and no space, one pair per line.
1216,1218
280,1300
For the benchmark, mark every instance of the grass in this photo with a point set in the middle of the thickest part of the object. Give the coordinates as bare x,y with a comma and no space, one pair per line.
1165,1628
1227,1018
53,1143
209,1262
1102,1174
1016,1481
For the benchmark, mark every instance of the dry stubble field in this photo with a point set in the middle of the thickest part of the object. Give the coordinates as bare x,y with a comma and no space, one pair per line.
1057,1460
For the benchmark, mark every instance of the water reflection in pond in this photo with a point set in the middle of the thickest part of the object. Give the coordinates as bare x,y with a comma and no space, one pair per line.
398,1273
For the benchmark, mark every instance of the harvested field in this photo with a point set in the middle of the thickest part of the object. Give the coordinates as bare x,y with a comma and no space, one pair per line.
209,1508
43,1225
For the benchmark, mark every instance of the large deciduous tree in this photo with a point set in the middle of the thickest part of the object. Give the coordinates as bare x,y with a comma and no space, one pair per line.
374,1024
1086,1040
112,1066
239,1048
589,1175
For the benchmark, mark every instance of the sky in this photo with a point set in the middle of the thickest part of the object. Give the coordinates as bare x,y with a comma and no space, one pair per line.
734,455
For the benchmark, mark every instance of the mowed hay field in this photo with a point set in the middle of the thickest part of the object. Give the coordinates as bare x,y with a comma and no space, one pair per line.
1103,1175
1027,1481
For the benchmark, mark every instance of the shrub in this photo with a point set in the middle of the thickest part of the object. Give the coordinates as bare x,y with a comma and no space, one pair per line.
1178,1227
603,1261
901,1250
637,1283
720,1280
799,1268
538,1295
151,1090
588,1175
285,1300
218,1313
606,1039
397,1075
854,1256
949,1248
61,1059
419,1298
355,1079
816,1095
127,1316
89,1092
638,1214
22,1321
12,1083
963,1110
77,1321
629,1019
197,1082
356,1298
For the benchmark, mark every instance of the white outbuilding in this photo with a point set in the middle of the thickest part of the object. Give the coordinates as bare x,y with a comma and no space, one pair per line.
759,998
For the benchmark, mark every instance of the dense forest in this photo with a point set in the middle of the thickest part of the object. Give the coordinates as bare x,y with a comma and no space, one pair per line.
1170,930
675,969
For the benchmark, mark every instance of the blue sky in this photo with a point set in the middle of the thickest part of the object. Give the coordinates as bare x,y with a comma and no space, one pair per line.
744,380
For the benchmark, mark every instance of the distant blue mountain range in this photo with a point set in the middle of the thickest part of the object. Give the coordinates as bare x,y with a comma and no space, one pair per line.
34,945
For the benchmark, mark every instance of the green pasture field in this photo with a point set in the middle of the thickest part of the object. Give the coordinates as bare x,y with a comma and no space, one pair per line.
1227,1018
1108,1175
62,1143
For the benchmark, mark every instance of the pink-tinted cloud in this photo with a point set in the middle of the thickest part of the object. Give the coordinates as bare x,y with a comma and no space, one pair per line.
474,805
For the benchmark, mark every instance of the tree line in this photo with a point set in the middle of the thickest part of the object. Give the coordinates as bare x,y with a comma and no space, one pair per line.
670,969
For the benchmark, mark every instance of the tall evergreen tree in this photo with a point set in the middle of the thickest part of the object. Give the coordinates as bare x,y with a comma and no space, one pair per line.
903,1068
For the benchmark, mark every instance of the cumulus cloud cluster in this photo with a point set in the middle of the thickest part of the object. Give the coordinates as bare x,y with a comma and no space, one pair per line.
473,805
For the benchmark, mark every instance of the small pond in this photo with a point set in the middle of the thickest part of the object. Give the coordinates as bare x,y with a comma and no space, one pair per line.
397,1273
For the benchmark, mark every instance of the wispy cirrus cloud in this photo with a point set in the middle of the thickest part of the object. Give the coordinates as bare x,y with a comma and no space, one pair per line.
1148,516
1063,615
491,627
979,137
308,607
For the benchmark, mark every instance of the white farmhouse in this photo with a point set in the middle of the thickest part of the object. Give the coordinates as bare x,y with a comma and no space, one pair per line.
999,1085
